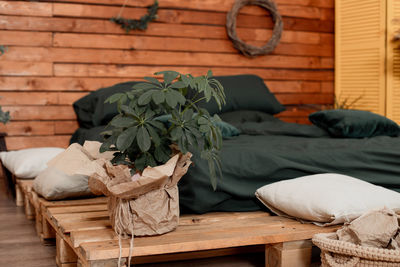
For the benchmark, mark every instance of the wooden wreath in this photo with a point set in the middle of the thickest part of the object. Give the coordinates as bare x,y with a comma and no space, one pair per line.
247,49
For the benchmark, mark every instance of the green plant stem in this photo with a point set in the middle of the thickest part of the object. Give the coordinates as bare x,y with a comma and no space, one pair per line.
192,103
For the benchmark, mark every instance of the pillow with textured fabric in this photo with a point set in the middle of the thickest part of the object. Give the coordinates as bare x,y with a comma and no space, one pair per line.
91,111
354,123
53,184
326,199
28,163
244,92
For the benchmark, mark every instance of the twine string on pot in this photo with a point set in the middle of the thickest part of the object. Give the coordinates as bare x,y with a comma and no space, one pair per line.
247,49
123,220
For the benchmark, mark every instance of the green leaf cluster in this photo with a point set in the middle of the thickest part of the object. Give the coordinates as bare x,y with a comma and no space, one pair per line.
138,24
140,139
3,49
4,116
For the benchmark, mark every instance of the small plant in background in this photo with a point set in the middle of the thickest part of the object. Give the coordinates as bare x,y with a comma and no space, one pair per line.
4,116
3,49
346,103
156,115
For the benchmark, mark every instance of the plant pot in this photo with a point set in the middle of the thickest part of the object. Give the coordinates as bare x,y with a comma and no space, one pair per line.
143,207
153,213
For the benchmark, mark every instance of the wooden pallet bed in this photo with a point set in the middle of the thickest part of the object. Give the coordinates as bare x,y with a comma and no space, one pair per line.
84,236
34,206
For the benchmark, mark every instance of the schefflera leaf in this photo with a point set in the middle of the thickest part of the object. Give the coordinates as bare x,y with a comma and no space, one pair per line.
126,138
143,139
139,137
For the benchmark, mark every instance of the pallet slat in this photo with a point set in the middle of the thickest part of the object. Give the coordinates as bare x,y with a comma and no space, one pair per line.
248,17
210,5
57,83
29,128
16,68
109,56
224,238
26,38
82,231
110,70
26,8
21,142
68,40
154,29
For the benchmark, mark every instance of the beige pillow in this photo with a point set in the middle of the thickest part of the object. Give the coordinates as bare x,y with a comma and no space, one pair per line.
54,184
61,180
326,199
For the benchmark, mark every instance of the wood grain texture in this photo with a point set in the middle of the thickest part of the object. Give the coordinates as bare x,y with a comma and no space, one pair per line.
137,72
26,68
60,50
180,44
86,229
210,5
26,38
20,246
26,8
112,56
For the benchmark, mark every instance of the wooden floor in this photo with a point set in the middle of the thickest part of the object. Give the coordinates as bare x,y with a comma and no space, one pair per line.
20,246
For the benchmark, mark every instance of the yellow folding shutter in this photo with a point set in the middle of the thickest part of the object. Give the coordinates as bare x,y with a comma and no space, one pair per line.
393,61
360,53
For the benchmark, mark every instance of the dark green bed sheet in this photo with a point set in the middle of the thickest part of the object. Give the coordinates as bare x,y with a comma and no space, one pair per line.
269,150
249,162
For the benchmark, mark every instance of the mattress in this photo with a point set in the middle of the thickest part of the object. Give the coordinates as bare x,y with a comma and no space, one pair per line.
270,150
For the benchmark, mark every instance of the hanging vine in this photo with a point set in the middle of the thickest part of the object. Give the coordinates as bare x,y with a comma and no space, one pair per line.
136,24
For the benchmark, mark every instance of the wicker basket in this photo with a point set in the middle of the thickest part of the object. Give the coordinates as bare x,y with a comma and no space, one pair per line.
335,253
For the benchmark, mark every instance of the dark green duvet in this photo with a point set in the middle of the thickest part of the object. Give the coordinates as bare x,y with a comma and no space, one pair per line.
269,150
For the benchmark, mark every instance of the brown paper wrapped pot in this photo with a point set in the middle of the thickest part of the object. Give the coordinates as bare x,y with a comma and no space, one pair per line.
148,206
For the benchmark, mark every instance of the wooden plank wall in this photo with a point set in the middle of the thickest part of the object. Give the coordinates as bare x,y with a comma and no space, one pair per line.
60,50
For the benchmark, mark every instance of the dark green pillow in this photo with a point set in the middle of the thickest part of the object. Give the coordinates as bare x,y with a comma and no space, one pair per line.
354,123
227,130
91,110
242,116
244,92
83,134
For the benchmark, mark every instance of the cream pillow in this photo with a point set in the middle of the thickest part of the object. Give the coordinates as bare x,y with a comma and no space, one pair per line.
326,199
54,184
28,163
60,180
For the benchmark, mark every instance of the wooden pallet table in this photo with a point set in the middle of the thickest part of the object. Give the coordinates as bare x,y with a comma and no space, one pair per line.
23,189
34,206
84,235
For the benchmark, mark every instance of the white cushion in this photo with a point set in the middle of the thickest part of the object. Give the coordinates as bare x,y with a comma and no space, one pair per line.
326,199
28,163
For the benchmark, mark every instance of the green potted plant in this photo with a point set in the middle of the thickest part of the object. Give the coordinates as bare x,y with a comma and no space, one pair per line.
156,115
4,116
